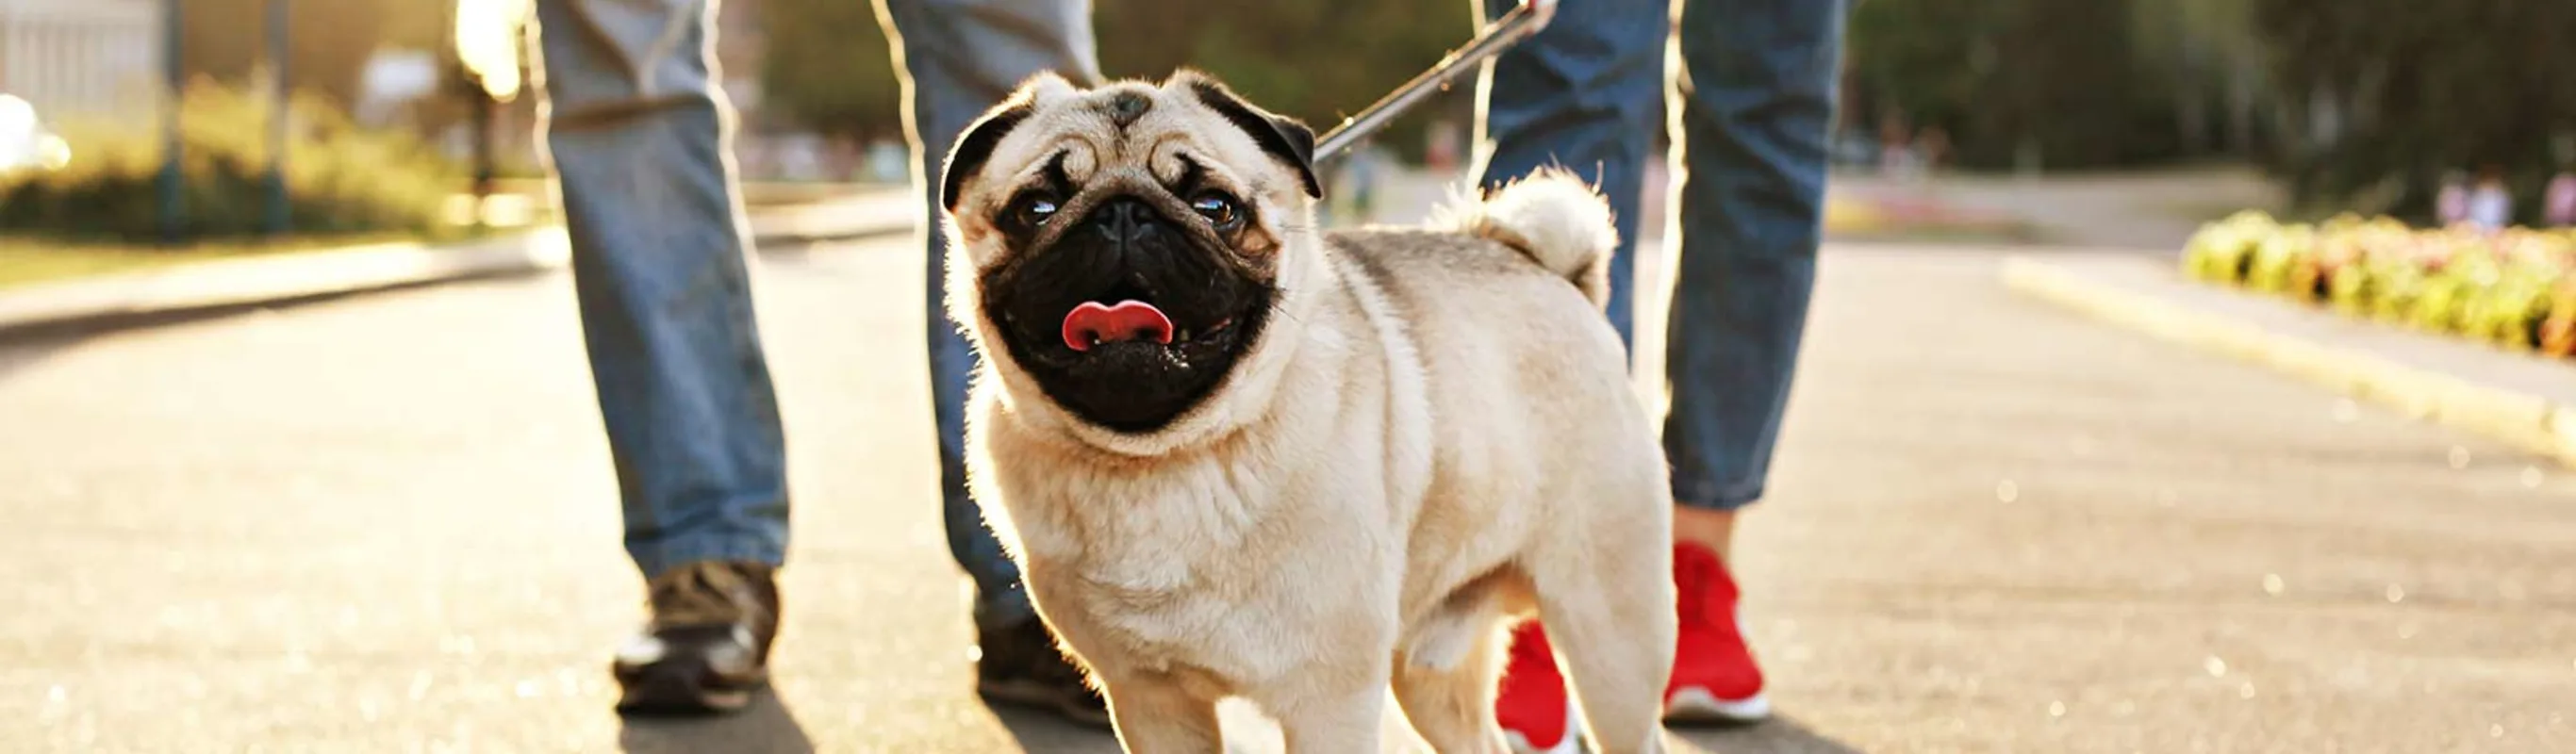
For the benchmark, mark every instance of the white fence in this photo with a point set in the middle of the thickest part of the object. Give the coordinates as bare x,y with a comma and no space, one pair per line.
82,58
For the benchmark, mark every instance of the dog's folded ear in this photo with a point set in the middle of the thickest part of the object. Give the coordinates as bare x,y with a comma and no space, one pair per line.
975,145
1281,136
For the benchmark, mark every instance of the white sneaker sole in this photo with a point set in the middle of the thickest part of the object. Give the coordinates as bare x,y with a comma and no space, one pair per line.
1695,705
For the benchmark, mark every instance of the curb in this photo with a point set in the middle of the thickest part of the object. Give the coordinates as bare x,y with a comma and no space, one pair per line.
766,240
191,290
863,216
2533,423
223,285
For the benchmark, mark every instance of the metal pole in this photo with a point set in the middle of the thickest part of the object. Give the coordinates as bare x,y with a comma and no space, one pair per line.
279,51
485,116
174,98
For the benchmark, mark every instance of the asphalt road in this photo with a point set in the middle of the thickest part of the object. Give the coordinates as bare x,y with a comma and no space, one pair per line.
387,524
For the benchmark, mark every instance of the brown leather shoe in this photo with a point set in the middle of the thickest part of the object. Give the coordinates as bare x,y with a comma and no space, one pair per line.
707,647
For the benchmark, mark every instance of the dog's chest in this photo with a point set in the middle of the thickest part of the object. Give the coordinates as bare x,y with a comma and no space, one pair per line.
1165,609
1166,570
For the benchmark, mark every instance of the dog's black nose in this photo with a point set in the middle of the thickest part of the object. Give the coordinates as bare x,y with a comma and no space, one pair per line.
1125,219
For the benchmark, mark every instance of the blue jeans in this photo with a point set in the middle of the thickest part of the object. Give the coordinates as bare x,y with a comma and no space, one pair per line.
957,59
638,134
1749,108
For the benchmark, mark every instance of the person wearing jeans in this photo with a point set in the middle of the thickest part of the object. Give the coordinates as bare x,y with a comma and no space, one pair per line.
1749,89
956,59
639,137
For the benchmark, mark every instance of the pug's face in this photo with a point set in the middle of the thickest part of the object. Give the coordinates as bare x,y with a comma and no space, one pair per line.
1125,242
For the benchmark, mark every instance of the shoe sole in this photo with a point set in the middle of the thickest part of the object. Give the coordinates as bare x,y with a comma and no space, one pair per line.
679,692
1697,705
1038,696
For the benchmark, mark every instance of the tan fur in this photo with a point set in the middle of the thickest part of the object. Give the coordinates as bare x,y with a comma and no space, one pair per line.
1434,434
1553,217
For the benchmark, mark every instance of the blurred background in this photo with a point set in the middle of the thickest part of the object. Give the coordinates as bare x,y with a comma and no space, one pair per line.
2183,375
2360,105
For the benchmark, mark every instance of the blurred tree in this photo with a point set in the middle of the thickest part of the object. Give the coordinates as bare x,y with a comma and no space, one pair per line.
416,24
2361,104
1924,62
2214,58
2072,83
1320,60
828,67
2390,95
332,39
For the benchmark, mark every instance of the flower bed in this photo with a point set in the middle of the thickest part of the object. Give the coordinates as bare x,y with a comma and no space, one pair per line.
2515,288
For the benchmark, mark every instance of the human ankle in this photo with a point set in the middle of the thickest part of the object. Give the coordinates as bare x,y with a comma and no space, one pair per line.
1713,529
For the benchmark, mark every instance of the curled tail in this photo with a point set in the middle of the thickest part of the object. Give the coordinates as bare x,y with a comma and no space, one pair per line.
1553,218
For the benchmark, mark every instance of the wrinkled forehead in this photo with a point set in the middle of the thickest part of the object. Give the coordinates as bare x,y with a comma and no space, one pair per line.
1132,130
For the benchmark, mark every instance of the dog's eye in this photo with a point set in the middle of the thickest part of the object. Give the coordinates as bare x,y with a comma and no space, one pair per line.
1035,209
1217,208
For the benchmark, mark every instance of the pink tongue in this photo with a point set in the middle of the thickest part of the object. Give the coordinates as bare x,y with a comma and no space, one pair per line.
1092,323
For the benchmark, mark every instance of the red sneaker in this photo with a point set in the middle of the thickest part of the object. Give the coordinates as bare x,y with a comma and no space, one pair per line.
1714,678
1535,712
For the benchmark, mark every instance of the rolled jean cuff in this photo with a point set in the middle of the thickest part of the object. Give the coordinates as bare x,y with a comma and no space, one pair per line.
1713,496
734,549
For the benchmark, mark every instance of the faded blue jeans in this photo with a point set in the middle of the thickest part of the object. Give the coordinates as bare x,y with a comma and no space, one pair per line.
639,136
956,59
1750,101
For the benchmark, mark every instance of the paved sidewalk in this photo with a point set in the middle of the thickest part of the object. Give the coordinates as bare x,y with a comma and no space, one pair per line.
387,523
2145,210
2520,399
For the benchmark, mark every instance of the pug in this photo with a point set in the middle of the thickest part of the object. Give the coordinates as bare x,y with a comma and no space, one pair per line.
1238,456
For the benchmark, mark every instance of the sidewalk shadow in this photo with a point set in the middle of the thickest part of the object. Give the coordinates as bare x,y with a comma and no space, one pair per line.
20,353
1043,731
1780,735
766,727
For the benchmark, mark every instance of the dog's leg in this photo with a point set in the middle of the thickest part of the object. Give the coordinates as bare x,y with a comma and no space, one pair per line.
1452,707
1610,618
1155,717
1346,721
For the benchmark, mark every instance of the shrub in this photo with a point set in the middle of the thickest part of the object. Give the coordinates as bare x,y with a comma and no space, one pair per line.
339,178
2516,289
